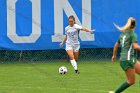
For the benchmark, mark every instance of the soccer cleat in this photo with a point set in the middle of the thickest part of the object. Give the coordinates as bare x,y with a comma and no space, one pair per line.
77,72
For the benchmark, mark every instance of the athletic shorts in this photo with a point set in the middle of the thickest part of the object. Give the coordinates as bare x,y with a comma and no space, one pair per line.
128,64
75,48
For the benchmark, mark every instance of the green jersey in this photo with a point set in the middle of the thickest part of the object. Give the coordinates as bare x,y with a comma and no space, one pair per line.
126,40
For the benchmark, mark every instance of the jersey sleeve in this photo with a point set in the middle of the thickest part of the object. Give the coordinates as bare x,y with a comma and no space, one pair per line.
78,27
66,31
134,38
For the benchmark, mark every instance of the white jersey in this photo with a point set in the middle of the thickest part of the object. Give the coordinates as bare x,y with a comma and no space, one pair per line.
73,34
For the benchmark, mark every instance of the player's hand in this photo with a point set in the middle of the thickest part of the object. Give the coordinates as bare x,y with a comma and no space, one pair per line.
113,59
92,31
61,44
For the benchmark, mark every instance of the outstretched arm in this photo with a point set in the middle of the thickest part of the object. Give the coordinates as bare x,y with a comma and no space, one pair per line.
87,30
115,51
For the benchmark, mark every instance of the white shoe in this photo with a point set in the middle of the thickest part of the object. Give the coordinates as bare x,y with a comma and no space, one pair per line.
111,92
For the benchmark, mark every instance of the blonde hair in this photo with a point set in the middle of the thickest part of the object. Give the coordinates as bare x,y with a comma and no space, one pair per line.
130,25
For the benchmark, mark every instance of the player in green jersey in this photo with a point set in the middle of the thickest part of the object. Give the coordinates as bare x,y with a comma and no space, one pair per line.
129,42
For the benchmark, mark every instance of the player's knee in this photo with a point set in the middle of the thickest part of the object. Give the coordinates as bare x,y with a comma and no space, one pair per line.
131,82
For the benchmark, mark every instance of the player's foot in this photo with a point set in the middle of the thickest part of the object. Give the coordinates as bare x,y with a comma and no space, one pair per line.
111,92
77,72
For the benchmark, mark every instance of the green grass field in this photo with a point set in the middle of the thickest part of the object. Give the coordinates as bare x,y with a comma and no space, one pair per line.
95,77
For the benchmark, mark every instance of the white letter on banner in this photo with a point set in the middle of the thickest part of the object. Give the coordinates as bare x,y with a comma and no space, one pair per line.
11,23
64,5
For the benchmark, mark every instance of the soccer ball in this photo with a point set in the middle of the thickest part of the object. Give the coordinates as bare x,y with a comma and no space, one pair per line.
63,70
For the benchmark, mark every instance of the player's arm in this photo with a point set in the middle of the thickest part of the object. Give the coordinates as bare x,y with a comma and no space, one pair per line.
87,30
83,28
63,41
135,42
136,46
115,51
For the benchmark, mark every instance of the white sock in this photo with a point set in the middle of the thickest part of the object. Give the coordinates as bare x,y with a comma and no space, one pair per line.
74,64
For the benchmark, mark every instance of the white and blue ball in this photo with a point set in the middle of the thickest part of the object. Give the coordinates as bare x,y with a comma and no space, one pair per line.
63,70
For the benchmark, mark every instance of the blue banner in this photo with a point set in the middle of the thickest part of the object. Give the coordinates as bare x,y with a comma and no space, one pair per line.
39,24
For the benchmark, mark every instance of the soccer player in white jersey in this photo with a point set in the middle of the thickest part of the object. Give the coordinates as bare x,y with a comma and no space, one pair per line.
72,42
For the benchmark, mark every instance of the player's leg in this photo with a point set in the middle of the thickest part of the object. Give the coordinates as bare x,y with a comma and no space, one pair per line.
130,74
76,55
128,67
70,54
72,60
137,67
76,52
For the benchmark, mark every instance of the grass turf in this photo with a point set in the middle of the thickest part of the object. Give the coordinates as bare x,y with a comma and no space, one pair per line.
95,77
